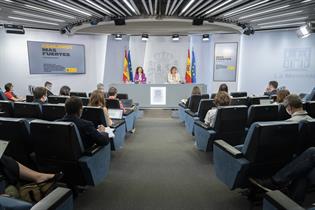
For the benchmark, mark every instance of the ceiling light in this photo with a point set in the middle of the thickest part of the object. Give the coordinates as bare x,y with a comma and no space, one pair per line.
220,5
144,37
118,37
283,25
205,37
31,20
281,21
175,37
245,8
304,31
276,16
306,1
263,12
98,6
49,11
8,1
37,16
129,5
71,8
187,6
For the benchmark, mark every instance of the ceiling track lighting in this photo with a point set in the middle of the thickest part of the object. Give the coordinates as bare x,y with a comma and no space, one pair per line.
118,37
175,37
205,37
144,37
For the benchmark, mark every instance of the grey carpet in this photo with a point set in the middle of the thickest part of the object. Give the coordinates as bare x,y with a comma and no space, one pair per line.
159,169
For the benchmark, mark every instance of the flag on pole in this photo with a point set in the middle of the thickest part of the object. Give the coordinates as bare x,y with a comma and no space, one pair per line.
130,67
188,72
193,67
126,76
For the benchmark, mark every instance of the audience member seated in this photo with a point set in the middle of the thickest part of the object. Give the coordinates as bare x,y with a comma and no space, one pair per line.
281,94
221,99
48,86
294,107
64,91
223,87
112,94
89,135
100,87
173,76
40,95
271,88
140,77
296,175
13,172
10,94
195,91
97,99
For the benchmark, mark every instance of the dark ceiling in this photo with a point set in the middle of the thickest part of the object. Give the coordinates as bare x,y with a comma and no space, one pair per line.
57,14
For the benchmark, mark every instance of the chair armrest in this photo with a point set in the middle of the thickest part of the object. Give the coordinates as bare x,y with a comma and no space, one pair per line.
182,105
202,124
193,114
58,197
92,150
281,201
228,148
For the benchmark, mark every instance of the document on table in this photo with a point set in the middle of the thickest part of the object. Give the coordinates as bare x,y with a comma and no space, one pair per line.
110,132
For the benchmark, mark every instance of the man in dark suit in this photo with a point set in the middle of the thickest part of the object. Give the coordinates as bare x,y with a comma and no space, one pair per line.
271,88
89,135
48,86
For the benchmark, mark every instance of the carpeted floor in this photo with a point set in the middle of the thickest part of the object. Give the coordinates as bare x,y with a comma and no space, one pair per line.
159,169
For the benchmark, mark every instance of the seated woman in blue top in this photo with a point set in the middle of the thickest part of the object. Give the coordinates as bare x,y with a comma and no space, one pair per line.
140,77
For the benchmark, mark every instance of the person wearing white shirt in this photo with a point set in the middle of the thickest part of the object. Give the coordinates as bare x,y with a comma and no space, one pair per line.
173,76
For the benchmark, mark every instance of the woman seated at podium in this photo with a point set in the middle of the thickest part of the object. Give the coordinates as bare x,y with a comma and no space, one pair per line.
140,76
173,76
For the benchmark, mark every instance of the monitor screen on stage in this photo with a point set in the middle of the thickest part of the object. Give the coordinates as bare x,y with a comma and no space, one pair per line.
56,58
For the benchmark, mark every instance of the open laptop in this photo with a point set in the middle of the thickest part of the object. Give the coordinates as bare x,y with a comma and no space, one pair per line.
265,101
3,146
115,114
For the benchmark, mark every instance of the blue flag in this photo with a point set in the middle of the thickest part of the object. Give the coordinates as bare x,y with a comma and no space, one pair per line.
193,68
130,67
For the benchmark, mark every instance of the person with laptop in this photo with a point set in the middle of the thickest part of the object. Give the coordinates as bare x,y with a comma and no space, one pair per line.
112,94
89,134
294,107
97,99
40,95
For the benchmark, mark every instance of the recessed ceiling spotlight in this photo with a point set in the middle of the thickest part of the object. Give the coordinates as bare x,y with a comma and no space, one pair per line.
118,37
304,31
144,37
175,37
205,37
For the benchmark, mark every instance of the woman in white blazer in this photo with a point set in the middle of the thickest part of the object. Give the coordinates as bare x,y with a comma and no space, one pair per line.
173,76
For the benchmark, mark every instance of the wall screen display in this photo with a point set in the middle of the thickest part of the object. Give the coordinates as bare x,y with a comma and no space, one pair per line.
56,58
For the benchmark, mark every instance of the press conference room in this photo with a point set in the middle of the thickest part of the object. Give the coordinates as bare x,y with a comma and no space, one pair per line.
157,104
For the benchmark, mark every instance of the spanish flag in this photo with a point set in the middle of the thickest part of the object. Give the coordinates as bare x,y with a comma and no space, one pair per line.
126,76
188,71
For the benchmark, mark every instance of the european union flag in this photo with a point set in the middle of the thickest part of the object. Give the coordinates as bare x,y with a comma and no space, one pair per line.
130,67
193,67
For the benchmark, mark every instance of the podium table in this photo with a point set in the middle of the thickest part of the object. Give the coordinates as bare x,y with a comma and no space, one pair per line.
164,96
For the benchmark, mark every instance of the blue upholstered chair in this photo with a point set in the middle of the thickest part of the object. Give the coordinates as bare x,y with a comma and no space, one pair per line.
27,110
191,117
276,200
310,96
59,199
57,99
2,96
181,111
255,100
262,113
6,108
58,147
52,112
17,132
238,94
229,124
268,147
239,101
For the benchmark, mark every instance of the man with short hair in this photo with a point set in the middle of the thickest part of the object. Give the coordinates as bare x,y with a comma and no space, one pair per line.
112,94
100,87
294,107
88,133
40,95
271,88
48,86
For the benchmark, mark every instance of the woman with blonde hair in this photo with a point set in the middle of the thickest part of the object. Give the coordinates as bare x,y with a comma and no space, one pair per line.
97,99
222,98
